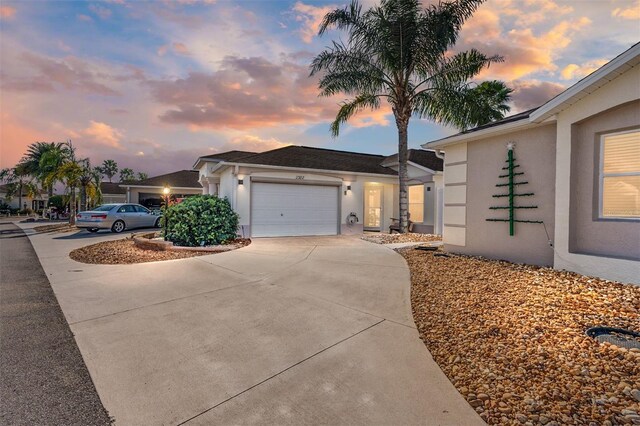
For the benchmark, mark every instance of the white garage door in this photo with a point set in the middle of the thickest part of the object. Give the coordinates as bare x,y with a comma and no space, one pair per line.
279,210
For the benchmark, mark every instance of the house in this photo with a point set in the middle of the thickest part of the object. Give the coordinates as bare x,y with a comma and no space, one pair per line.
37,203
573,175
112,192
300,190
149,192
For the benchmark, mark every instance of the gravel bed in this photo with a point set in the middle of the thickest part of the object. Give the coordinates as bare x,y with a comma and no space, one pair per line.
400,238
58,227
125,252
511,338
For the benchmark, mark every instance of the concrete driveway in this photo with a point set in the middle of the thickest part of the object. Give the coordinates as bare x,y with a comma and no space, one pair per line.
284,331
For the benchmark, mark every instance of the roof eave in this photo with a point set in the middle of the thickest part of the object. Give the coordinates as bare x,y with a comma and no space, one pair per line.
305,169
608,72
521,124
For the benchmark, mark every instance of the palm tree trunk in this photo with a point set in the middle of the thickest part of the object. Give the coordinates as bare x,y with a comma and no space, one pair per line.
72,209
403,176
83,198
20,196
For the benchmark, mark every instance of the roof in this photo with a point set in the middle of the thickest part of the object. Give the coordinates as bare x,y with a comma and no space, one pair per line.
112,188
612,69
306,157
180,179
609,71
229,155
422,157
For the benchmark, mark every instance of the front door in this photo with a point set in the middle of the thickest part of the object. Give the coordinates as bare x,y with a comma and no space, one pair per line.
373,208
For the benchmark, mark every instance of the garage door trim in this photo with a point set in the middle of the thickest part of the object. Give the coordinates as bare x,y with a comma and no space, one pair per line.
259,179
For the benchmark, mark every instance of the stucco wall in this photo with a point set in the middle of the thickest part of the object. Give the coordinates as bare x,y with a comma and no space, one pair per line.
535,153
623,89
588,233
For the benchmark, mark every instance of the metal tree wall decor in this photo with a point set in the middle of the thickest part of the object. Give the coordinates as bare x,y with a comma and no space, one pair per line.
512,195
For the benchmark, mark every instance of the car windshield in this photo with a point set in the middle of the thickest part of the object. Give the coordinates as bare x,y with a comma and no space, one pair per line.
104,208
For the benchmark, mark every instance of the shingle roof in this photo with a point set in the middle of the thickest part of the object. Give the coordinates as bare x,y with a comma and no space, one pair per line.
112,188
515,117
422,157
319,158
229,155
181,179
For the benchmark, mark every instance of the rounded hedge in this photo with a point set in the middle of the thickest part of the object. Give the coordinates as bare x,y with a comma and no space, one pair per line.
200,220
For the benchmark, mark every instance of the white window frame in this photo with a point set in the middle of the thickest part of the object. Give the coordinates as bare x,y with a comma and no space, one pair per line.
602,175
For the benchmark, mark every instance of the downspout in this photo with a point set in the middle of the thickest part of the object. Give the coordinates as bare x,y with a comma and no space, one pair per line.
439,153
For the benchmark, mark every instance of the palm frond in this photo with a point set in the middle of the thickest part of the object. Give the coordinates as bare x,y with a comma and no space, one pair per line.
349,108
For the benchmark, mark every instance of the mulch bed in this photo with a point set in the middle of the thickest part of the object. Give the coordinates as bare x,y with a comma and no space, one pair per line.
400,238
58,227
511,338
125,252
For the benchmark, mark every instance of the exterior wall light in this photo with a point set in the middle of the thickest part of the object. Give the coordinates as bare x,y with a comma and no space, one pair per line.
348,187
240,181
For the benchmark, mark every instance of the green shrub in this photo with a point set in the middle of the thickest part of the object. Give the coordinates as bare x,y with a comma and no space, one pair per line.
57,201
201,220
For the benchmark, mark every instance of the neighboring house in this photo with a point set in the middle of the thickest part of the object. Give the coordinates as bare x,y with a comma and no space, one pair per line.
33,203
298,190
148,192
112,192
580,158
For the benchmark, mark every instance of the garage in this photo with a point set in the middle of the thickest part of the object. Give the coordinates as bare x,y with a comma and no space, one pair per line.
282,209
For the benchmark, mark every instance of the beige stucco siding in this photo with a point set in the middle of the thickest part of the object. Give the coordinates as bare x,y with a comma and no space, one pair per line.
535,153
619,91
588,233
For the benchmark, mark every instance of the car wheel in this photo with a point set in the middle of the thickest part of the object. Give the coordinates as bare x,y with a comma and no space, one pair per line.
117,227
157,224
92,229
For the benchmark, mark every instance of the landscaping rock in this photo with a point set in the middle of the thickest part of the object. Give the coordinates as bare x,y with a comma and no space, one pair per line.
512,339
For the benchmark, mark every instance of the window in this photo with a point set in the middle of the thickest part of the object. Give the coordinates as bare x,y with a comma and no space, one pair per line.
141,209
127,208
620,175
416,203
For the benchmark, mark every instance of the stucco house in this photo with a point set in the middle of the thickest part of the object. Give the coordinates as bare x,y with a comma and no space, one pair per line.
34,203
148,192
299,190
574,179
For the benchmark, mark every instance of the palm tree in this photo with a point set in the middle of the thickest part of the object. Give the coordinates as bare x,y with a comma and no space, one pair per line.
126,175
66,168
33,162
18,182
109,168
400,51
142,175
96,194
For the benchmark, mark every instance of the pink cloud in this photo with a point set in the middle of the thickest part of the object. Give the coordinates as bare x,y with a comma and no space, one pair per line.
525,49
310,18
251,143
574,71
84,18
40,73
632,12
103,134
7,12
532,94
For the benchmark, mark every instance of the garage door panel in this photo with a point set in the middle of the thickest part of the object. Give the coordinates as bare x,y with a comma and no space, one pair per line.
293,210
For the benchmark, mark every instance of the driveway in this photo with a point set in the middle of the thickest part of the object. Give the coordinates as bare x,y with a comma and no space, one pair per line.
284,331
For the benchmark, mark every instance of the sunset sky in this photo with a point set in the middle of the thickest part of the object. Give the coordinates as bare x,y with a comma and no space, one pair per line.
155,84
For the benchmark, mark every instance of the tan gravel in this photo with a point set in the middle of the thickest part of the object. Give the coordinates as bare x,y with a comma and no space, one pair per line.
511,339
57,227
125,252
400,238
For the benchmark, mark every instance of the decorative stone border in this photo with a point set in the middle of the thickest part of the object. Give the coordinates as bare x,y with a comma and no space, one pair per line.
147,242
